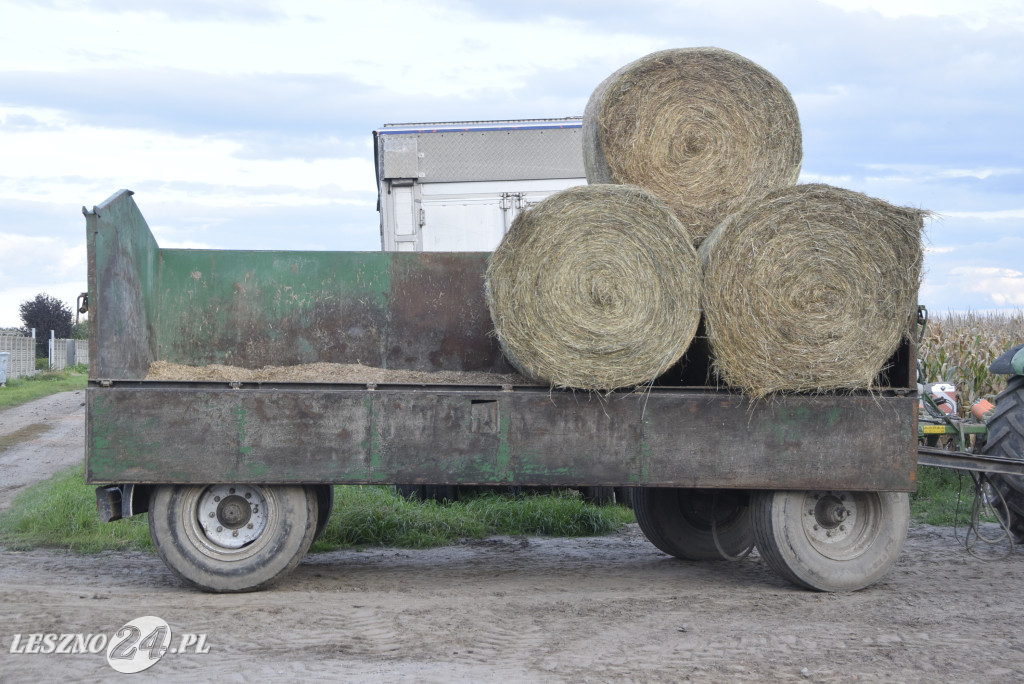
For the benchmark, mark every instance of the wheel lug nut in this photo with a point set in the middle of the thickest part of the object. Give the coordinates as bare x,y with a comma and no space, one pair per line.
249,526
829,533
216,498
248,495
816,528
842,528
231,491
212,514
235,533
219,528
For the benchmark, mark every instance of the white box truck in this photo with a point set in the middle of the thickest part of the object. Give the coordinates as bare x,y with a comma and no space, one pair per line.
457,186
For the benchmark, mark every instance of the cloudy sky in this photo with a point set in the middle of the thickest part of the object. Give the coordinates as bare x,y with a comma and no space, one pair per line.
246,124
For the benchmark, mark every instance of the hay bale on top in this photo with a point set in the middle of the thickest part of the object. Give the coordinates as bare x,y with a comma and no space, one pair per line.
597,287
810,288
704,129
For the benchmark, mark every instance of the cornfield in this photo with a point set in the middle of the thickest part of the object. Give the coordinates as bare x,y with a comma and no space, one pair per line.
959,347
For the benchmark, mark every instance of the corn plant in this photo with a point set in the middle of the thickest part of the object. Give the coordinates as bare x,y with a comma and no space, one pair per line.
959,348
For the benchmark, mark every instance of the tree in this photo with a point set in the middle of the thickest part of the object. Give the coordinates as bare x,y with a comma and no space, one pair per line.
46,313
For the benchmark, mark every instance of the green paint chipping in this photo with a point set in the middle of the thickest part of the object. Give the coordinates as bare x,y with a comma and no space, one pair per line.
503,457
240,423
833,416
377,469
219,305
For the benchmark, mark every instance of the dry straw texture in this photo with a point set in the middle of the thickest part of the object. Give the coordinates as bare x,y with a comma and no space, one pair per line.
596,288
810,288
325,373
704,129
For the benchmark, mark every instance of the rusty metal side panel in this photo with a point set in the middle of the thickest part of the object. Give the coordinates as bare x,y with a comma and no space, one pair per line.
865,441
123,269
439,316
480,436
415,311
254,309
196,436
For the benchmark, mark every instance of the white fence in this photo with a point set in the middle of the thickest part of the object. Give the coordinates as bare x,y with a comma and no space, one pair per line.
22,359
64,351
22,350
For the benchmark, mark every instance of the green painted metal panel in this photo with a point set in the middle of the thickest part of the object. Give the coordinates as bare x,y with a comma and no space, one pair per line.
123,269
254,309
529,436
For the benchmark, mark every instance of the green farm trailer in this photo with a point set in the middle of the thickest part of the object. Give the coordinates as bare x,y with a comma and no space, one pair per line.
237,476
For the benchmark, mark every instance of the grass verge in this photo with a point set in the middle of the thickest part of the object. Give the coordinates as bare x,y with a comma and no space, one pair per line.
61,513
21,390
943,497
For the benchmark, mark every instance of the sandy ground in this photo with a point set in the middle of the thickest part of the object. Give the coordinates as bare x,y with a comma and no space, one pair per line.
512,609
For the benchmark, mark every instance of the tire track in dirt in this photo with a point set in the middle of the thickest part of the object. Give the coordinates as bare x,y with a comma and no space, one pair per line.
38,439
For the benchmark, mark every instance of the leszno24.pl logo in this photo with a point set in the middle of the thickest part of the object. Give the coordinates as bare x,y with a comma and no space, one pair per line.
137,646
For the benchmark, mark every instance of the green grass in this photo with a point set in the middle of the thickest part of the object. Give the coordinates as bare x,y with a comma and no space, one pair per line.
61,513
21,390
936,500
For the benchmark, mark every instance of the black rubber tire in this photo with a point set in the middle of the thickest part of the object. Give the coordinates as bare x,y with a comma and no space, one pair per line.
324,507
1006,439
290,514
810,548
679,521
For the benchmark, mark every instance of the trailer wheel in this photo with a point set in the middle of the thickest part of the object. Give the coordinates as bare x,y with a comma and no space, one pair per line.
827,540
324,507
686,522
1006,439
232,538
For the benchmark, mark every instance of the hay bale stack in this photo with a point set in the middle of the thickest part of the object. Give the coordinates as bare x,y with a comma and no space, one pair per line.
596,288
704,129
810,288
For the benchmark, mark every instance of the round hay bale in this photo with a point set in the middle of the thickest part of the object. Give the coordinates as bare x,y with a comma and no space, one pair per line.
810,288
704,129
597,287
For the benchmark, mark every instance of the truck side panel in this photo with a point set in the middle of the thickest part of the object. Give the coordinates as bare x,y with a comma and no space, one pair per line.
475,435
423,312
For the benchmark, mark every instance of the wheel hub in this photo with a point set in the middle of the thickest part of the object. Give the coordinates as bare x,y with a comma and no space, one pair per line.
232,515
831,522
831,511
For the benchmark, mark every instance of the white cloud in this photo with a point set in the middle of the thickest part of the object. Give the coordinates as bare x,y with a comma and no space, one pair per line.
70,162
976,13
924,172
1004,286
998,215
412,46
839,181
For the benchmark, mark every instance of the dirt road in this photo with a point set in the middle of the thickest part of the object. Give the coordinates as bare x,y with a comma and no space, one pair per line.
509,609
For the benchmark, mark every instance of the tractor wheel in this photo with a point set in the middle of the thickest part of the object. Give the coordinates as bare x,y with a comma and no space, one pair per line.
830,541
694,524
1006,439
232,538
